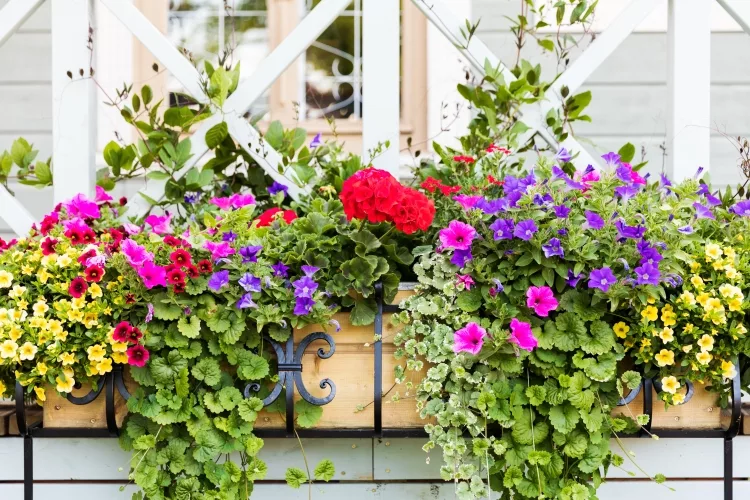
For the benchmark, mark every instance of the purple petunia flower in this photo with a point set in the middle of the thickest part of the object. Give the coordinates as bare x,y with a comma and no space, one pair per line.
593,220
602,279
553,247
150,314
461,257
229,236
703,212
563,156
525,229
303,305
246,301
218,250
712,200
304,287
491,207
543,200
249,282
192,197
632,232
309,271
503,229
562,232
612,160
573,278
498,286
665,182
280,270
741,208
218,280
650,256
558,173
250,253
277,187
685,229
561,211
335,324
316,142
466,201
626,192
647,274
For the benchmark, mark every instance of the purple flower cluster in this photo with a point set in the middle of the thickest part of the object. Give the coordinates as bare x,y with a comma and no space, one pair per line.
250,253
277,187
304,289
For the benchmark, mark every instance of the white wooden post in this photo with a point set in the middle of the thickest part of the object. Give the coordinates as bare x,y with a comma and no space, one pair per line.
381,81
689,87
73,100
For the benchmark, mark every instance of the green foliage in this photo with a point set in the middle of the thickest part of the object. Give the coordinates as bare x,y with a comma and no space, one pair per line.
21,158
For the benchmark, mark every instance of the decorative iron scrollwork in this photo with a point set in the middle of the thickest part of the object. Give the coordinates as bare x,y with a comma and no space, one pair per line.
290,370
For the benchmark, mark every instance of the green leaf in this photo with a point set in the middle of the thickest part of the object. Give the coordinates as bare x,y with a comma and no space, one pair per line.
295,477
546,44
363,312
564,418
575,444
229,397
250,366
631,379
191,328
248,409
366,242
147,94
166,312
470,301
307,414
216,135
324,471
275,135
207,370
600,340
627,152
253,445
211,401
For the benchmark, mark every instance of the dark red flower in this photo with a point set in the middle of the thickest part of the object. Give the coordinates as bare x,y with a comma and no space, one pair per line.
464,159
77,287
192,271
94,274
75,236
370,194
448,190
205,266
86,256
123,201
48,246
134,335
48,222
117,237
414,212
170,267
178,287
89,236
494,181
130,298
492,148
137,356
267,217
121,332
431,184
171,241
180,257
176,276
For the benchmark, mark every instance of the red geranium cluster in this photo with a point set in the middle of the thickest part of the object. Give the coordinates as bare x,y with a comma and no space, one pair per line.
376,196
267,217
431,184
181,268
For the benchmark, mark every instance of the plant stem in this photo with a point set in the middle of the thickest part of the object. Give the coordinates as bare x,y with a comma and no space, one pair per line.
307,466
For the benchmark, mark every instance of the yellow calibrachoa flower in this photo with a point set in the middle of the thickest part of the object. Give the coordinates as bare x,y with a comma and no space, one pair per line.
40,309
697,282
678,399
43,276
37,322
95,291
706,342
27,270
704,357
17,292
15,333
621,329
730,253
687,348
65,384
54,326
119,347
731,273
78,303
650,313
688,328
104,366
96,352
75,315
702,298
741,329
120,357
668,316
713,251
2,388
713,304
666,335
6,279
42,338
664,358
40,394
64,260
718,265
728,370
90,320
735,304
27,351
48,259
67,358
670,384
42,369
8,349
695,266
61,336
687,298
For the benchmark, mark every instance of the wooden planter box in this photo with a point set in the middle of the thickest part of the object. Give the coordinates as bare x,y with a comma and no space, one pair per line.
352,369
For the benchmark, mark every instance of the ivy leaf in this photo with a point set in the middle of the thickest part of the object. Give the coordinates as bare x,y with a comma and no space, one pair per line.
248,409
229,397
207,370
295,477
564,418
324,471
191,328
307,414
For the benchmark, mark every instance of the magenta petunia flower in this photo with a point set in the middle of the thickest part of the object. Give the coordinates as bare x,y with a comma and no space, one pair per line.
131,229
241,200
458,235
160,223
467,280
223,203
152,275
101,195
469,339
137,356
541,300
219,250
521,335
466,201
81,206
135,253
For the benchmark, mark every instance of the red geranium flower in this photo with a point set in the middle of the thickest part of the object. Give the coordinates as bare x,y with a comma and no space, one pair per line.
431,184
137,356
178,287
192,271
48,246
121,332
370,194
414,212
464,159
493,148
267,217
448,190
494,181
77,287
175,276
94,274
205,266
180,257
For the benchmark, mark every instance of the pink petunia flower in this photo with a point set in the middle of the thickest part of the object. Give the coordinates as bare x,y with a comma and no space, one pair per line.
219,250
76,224
467,280
101,195
81,206
541,300
160,224
469,339
137,356
458,235
152,275
131,229
224,203
135,253
241,200
520,334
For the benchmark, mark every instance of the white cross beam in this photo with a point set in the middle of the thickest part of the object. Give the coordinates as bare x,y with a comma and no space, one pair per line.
739,10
